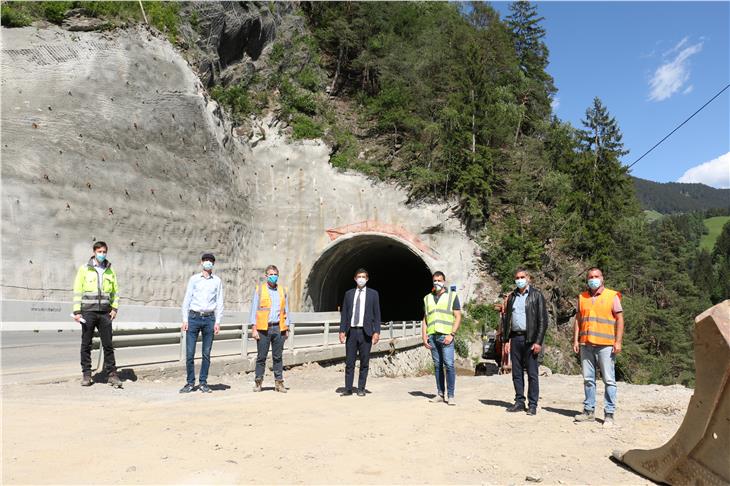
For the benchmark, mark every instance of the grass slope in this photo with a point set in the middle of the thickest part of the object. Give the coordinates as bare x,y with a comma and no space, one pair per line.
714,226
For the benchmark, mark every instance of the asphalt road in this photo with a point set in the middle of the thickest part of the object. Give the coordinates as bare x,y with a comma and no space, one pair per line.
31,355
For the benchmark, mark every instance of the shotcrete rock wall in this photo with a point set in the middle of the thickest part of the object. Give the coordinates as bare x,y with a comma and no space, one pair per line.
112,136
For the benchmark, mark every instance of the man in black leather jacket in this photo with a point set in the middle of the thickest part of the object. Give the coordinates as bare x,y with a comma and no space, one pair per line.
525,323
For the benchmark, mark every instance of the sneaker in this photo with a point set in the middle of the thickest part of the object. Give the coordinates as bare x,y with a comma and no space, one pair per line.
451,402
279,386
360,393
608,421
114,381
257,385
532,411
187,388
86,380
586,416
517,407
204,388
437,399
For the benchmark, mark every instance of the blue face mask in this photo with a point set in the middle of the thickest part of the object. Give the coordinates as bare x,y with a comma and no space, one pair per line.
207,265
594,283
521,283
272,279
100,257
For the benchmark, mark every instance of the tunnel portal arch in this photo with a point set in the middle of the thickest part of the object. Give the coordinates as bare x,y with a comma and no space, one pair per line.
397,270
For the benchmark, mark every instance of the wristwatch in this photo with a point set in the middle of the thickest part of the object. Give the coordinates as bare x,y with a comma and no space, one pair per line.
452,334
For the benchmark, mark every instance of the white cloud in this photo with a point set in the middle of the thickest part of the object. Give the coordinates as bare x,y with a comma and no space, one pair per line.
671,76
679,45
689,89
555,103
715,173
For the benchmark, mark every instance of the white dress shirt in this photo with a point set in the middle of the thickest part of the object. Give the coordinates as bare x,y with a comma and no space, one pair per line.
204,295
359,293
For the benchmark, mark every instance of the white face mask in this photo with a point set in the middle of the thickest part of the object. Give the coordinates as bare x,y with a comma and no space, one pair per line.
361,281
439,285
207,265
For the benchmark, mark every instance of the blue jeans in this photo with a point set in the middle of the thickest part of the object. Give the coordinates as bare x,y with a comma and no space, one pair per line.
443,355
203,325
603,355
273,338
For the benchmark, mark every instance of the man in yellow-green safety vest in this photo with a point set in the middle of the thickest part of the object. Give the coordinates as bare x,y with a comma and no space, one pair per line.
96,301
440,323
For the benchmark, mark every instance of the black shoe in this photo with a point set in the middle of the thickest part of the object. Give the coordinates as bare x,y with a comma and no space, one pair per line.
532,411
86,380
346,393
187,388
517,407
361,393
204,388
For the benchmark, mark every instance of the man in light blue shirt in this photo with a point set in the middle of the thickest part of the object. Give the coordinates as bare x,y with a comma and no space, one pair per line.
202,311
270,319
524,326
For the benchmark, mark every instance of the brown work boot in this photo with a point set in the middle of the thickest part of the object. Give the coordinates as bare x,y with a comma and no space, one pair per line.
257,385
86,380
114,380
280,386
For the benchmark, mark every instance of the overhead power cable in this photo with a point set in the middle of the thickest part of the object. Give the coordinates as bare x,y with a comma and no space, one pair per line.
680,125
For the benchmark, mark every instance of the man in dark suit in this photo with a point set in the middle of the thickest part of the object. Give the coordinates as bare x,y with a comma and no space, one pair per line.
360,327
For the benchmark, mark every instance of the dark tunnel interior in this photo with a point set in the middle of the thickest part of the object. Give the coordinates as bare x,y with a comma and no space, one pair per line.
399,275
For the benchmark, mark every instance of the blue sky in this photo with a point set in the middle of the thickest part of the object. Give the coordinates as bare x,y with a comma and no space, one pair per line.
652,64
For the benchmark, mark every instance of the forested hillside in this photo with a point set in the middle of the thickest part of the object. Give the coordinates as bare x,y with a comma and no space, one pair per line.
462,98
454,103
677,197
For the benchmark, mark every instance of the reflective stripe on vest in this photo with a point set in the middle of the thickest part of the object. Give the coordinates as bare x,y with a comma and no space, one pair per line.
93,291
439,315
264,308
597,324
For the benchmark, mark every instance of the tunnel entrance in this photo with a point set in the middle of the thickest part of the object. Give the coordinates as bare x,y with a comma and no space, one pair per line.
397,272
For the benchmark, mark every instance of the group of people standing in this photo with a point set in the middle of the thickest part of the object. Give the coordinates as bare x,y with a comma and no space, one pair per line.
597,336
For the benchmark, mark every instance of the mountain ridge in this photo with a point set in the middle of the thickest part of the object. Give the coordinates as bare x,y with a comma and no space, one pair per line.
679,197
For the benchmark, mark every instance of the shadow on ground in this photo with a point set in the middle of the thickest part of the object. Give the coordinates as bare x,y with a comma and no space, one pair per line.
561,411
421,394
496,403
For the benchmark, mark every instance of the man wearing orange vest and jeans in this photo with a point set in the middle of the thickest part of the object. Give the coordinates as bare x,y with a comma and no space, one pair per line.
270,316
597,335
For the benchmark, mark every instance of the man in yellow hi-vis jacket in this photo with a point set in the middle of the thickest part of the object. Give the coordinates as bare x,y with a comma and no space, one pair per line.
96,300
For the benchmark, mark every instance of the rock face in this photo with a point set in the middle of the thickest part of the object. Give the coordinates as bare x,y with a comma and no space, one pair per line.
112,136
231,35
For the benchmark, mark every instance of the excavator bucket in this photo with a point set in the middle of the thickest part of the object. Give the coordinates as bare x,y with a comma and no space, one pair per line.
699,453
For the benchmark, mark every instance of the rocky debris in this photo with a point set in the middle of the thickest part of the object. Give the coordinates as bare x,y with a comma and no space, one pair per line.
411,362
544,371
78,20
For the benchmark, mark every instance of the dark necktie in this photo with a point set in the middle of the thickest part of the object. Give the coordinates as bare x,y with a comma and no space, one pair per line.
357,308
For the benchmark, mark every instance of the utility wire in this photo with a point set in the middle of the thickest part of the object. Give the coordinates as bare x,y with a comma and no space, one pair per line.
680,125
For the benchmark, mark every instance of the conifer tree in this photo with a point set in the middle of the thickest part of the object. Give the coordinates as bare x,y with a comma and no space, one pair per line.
528,38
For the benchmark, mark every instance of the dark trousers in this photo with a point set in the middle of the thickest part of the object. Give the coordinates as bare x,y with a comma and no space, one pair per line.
206,327
103,322
357,343
523,359
273,338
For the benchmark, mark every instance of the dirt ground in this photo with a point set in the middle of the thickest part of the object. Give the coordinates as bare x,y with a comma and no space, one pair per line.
147,433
